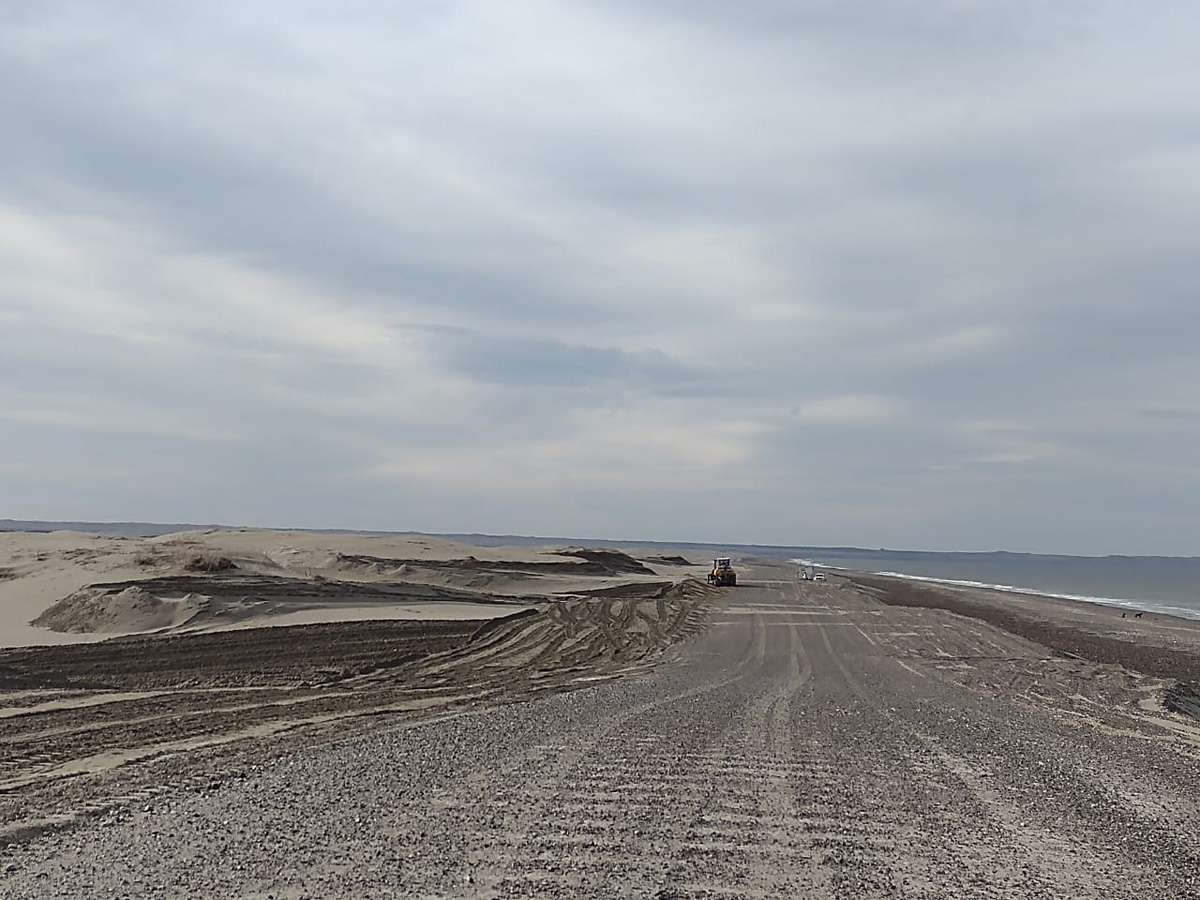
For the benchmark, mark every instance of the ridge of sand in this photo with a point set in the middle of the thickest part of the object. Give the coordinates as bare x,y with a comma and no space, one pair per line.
68,586
93,610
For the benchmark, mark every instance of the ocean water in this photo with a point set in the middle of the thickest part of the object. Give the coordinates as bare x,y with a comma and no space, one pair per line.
1161,584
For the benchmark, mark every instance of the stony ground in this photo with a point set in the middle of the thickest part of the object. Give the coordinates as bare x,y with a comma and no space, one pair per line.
88,728
812,742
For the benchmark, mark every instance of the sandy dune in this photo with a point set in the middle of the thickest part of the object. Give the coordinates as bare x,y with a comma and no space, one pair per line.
68,586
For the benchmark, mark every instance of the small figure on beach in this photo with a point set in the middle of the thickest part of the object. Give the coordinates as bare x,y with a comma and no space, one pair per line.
1137,615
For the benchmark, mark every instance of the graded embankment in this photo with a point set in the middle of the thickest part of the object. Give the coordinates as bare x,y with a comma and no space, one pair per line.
91,726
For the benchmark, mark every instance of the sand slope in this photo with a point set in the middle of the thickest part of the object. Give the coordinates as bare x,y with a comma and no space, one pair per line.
69,586
130,609
90,726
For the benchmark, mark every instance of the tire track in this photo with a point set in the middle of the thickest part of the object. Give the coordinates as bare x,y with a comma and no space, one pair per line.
1128,797
1028,863
780,754
614,791
55,758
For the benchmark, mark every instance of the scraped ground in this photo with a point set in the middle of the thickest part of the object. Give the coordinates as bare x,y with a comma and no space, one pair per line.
811,742
89,728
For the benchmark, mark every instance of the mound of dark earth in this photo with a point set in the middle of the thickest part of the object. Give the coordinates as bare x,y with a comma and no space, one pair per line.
619,591
1184,698
584,562
671,560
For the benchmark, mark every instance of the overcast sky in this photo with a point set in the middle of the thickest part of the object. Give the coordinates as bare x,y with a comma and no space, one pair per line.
907,274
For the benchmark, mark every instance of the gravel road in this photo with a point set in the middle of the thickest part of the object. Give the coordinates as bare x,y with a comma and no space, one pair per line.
812,742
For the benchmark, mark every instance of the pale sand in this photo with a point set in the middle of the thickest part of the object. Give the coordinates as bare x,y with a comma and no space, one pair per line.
409,612
38,569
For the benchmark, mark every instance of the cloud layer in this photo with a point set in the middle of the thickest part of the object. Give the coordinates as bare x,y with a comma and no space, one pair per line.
876,273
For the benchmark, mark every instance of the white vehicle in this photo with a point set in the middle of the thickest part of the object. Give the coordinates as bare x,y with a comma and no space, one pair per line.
820,576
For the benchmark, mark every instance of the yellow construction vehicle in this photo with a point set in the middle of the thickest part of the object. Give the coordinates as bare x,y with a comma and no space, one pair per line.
722,574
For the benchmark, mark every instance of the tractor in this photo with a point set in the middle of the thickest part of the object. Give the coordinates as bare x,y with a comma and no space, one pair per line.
722,574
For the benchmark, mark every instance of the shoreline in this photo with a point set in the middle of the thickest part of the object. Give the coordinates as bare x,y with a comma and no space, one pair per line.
1123,604
1156,644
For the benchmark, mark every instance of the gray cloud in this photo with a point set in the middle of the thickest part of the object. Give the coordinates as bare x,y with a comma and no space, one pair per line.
880,273
536,362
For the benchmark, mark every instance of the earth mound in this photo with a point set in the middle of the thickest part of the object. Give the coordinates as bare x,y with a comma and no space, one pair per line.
98,610
578,561
605,562
671,560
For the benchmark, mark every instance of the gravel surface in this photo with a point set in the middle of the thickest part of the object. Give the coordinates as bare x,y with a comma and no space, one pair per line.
813,742
85,729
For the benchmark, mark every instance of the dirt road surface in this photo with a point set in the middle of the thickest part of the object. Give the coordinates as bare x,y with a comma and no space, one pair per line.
811,742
